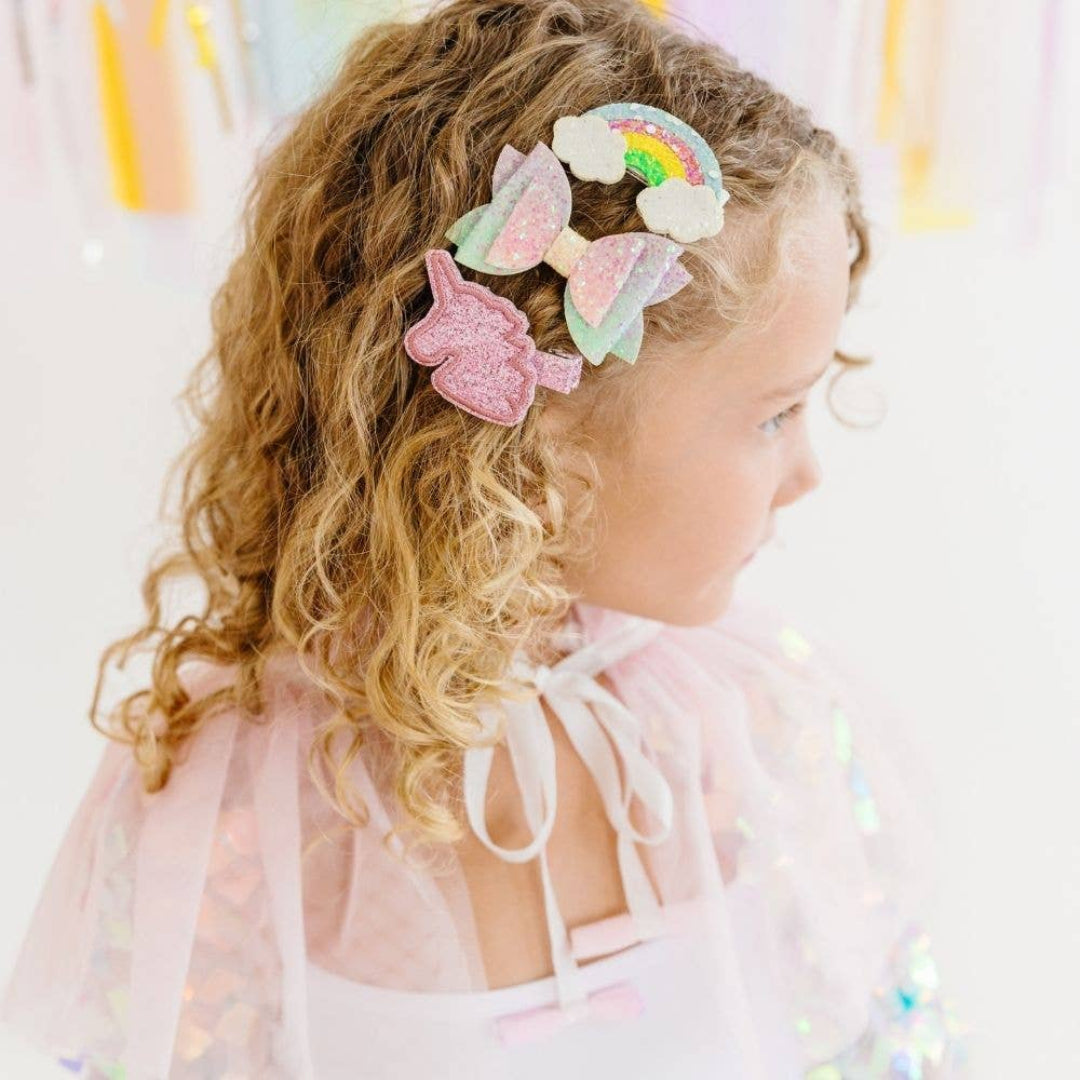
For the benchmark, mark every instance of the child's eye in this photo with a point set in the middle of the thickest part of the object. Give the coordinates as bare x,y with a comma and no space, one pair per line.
780,418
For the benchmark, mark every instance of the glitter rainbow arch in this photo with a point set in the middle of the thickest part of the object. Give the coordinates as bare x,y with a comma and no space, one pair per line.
660,146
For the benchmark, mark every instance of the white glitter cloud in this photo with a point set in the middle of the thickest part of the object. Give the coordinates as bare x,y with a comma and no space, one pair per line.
686,212
592,149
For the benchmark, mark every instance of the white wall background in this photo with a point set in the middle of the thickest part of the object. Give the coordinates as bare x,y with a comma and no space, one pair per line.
940,551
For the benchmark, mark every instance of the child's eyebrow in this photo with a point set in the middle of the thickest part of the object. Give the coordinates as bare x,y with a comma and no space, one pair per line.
794,388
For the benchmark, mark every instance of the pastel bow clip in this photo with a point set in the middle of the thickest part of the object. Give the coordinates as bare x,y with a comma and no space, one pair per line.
609,281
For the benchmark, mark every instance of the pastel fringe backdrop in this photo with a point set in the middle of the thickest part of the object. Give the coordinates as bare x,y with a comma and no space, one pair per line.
956,108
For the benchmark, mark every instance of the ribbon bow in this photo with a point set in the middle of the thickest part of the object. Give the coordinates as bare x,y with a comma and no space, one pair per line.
614,1002
609,281
596,733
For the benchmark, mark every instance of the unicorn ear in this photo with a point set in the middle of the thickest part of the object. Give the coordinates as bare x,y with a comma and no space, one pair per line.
443,274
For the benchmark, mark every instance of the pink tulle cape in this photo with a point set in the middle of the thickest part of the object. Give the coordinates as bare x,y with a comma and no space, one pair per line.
173,931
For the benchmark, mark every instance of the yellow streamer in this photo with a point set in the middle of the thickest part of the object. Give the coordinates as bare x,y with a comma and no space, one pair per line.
116,116
158,21
198,19
904,117
921,211
657,7
889,98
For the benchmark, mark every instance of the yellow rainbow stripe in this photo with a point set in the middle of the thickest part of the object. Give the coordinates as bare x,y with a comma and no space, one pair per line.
657,148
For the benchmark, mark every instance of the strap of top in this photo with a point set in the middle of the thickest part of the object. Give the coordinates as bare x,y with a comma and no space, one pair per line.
599,726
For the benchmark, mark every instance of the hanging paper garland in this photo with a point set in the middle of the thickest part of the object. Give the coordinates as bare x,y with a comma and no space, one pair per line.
885,74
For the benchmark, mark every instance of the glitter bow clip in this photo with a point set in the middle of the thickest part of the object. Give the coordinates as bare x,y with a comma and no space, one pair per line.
489,364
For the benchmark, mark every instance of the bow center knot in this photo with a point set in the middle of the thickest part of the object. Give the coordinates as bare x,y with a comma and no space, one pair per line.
566,251
541,676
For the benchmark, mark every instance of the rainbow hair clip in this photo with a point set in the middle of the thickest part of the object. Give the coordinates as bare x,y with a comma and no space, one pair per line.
490,366
685,196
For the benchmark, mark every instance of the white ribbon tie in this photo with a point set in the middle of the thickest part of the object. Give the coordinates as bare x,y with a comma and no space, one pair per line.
598,726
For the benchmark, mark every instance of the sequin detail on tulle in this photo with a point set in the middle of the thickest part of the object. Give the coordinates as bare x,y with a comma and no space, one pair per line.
794,644
863,805
914,1032
229,1012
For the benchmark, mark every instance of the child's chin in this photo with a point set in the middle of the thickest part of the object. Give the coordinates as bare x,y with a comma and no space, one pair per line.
710,604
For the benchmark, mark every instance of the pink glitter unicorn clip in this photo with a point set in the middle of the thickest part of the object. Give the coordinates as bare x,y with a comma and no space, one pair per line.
489,365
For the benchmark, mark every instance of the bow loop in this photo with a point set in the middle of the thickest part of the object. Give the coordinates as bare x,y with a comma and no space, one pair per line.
600,733
532,754
530,206
604,272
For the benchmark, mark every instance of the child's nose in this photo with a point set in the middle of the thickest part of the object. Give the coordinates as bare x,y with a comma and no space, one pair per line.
804,475
809,471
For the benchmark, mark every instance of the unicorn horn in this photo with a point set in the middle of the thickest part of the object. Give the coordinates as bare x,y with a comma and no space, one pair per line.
443,274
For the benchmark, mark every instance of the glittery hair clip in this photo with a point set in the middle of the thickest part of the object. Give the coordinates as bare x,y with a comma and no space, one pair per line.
685,195
487,363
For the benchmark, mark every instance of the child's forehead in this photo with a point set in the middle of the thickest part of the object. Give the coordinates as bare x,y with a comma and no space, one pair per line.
795,333
769,361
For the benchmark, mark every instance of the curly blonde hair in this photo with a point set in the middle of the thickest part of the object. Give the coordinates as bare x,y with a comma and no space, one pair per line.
332,503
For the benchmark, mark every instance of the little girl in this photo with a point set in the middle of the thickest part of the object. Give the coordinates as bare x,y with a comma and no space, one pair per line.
472,765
